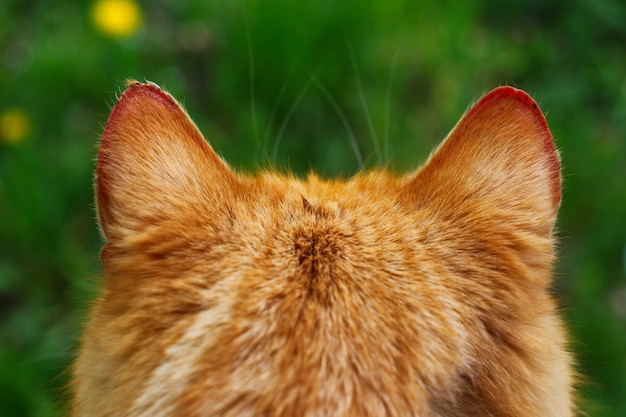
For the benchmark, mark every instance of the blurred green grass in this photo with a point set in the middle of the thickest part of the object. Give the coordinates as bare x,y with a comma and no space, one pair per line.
255,73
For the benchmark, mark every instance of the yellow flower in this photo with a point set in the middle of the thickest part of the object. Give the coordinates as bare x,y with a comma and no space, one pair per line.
117,18
14,126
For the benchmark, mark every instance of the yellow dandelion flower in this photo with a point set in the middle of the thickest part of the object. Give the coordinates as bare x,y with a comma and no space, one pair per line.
117,18
14,126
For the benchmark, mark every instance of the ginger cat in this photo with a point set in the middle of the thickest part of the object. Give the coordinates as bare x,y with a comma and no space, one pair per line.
424,295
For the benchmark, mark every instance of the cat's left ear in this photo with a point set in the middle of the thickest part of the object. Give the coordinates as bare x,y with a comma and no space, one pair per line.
154,165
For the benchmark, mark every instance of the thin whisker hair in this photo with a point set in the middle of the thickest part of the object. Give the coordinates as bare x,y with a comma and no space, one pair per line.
368,115
351,136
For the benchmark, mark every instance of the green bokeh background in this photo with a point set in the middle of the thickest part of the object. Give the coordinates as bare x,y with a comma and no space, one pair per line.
288,83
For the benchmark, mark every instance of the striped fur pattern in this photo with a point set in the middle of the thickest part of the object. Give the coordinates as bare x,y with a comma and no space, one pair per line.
424,294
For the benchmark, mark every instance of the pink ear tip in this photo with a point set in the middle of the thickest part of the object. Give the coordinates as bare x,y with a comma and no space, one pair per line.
507,93
527,102
136,99
515,93
147,90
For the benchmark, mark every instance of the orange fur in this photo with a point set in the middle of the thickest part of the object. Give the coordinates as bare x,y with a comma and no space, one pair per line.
232,295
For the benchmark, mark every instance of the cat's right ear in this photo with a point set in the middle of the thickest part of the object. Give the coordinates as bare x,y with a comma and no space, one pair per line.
499,161
154,164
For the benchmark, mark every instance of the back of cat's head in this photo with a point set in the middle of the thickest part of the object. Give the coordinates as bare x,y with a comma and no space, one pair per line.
235,295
